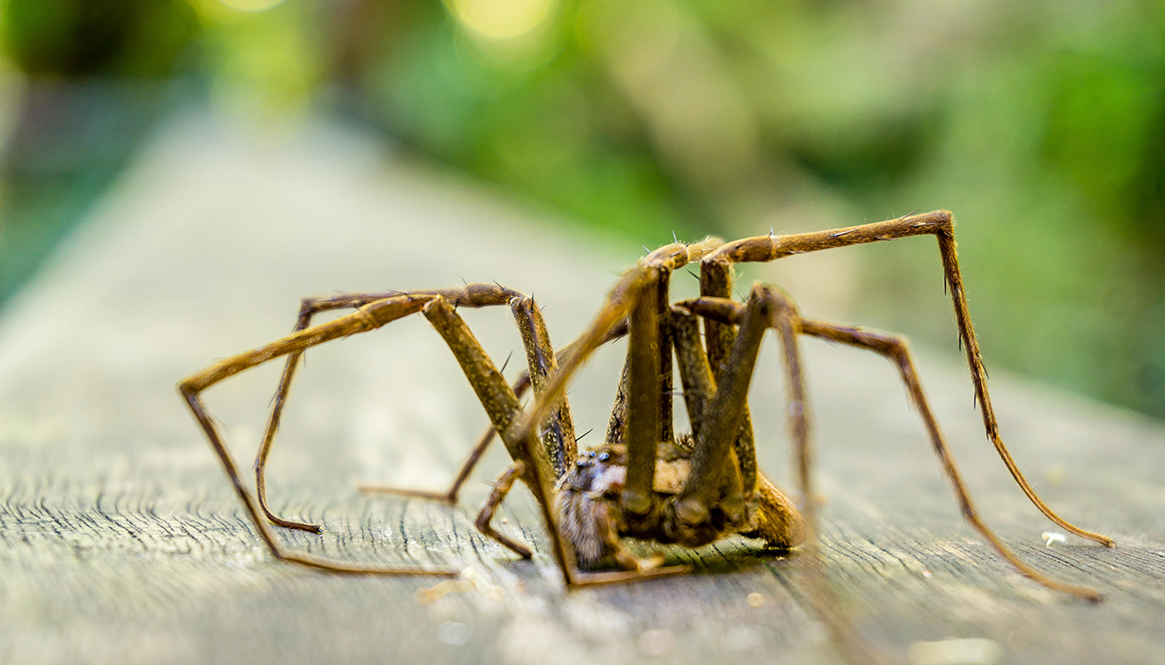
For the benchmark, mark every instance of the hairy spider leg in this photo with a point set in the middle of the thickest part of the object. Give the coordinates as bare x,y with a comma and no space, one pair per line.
558,437
715,480
501,487
475,296
520,386
309,307
635,300
617,425
451,495
716,282
695,370
779,522
497,397
558,442
767,307
896,349
368,317
940,224
644,389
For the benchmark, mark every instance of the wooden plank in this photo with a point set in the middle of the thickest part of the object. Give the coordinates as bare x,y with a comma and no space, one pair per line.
120,540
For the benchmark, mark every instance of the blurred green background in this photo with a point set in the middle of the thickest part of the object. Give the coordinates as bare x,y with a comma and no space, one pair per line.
1040,124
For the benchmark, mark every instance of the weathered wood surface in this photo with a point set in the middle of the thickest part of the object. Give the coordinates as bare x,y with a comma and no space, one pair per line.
121,542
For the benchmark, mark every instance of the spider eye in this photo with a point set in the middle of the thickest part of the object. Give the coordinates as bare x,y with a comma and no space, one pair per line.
604,457
590,453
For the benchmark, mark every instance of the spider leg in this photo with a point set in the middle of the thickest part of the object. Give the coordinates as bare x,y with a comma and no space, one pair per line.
558,429
666,405
778,521
611,318
367,317
558,438
309,307
450,495
897,351
538,345
768,307
558,433
623,556
495,394
583,579
506,414
695,369
617,425
538,349
714,483
628,301
940,224
501,488
716,282
540,354
498,399
643,399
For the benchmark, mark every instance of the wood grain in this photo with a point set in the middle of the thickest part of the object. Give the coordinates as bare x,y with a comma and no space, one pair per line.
121,542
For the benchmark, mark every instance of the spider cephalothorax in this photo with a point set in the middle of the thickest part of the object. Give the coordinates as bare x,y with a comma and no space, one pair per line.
688,490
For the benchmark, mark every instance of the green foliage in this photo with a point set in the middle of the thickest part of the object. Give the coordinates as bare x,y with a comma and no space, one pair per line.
552,131
1041,125
85,38
272,62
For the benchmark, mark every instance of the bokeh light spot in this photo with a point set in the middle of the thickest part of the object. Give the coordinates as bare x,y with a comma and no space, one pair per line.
251,5
502,20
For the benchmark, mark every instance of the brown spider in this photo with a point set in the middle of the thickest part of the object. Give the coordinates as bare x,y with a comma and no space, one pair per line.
644,481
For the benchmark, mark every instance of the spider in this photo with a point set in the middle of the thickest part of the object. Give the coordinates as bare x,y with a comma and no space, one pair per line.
644,481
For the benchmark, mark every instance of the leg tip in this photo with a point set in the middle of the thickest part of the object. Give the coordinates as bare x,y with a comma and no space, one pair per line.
300,526
691,511
636,503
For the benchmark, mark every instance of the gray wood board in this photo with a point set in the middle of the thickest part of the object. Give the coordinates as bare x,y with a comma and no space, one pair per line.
121,542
